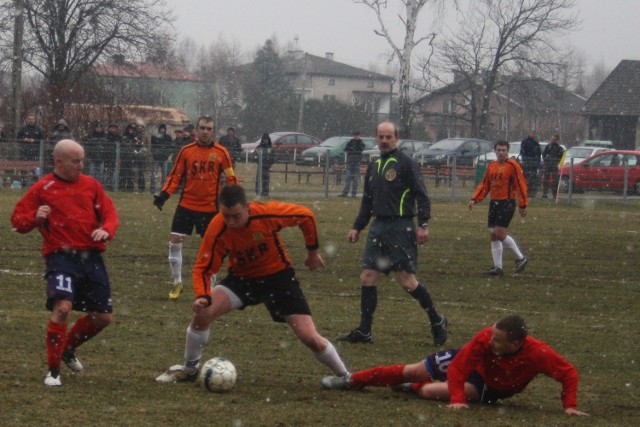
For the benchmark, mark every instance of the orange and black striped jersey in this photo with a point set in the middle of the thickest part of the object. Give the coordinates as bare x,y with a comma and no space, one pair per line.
255,250
201,168
503,180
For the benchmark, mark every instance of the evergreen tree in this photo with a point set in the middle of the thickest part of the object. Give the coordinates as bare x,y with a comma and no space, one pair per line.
270,103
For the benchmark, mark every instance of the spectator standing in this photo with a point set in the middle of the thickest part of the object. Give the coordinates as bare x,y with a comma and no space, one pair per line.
199,167
232,143
76,218
141,156
551,157
60,131
127,157
30,138
503,179
353,152
114,139
394,194
95,146
189,134
161,150
530,156
265,157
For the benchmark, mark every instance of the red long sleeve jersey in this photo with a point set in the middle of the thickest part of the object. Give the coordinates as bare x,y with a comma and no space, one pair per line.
255,250
77,209
503,180
510,374
201,168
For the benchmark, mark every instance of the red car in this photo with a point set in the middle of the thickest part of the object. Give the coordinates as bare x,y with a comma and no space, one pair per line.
604,171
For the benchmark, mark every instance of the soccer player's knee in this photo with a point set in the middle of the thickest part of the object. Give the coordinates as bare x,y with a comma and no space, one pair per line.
102,320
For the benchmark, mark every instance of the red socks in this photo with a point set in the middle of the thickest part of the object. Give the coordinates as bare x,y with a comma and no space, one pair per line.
56,338
379,376
81,332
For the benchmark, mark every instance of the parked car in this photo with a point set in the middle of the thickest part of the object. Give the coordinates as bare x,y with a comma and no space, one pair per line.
580,153
466,151
334,146
286,145
407,146
604,171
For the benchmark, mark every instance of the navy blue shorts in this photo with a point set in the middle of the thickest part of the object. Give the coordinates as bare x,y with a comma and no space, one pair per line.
391,246
279,292
80,277
437,363
185,219
486,394
501,212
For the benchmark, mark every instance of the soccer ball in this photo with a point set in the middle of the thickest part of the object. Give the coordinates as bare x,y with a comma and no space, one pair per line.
217,374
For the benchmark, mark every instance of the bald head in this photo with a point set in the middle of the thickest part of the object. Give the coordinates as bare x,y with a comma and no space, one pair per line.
68,157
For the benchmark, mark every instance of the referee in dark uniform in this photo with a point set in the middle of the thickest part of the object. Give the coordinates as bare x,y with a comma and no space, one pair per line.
394,194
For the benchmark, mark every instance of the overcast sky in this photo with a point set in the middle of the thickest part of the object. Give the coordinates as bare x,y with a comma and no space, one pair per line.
609,30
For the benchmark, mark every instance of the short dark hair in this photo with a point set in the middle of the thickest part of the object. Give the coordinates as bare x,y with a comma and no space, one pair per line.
206,119
230,128
233,194
501,143
514,327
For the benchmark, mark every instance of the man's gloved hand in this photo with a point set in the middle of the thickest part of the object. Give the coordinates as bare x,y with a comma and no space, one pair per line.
159,199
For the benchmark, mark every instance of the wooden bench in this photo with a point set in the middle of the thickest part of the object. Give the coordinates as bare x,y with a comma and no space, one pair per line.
19,170
296,171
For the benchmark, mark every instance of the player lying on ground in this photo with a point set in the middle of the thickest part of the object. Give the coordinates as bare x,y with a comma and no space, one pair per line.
260,272
496,364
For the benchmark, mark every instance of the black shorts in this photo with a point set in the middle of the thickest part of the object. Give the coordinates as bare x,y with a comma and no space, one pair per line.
279,292
484,392
185,219
79,277
391,246
501,213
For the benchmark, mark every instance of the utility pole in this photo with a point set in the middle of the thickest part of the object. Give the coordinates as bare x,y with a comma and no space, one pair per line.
302,91
16,77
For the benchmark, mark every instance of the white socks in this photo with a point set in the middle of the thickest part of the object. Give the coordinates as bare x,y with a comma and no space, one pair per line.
330,358
510,244
175,261
496,253
196,342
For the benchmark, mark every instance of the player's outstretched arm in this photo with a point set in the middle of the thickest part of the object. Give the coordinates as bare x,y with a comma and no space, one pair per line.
574,411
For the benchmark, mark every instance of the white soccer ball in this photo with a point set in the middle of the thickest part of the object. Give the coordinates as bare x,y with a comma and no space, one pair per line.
218,374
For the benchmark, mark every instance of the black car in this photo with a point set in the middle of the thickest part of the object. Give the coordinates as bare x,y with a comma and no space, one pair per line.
465,150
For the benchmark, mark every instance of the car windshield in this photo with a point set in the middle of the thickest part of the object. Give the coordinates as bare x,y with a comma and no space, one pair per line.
581,152
334,142
447,144
514,148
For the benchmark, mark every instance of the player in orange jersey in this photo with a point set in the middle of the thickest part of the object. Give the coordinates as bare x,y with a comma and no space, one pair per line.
199,166
504,179
259,272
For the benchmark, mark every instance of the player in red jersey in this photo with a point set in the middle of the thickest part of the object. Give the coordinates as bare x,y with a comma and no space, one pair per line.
504,179
199,167
259,272
499,362
76,218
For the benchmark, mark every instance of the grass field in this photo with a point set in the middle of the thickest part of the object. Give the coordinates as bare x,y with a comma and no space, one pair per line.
580,293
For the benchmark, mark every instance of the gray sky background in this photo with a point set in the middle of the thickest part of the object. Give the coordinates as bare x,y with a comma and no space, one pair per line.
609,30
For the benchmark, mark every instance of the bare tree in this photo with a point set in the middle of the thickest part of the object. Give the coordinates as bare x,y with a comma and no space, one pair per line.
63,39
497,38
219,66
402,52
